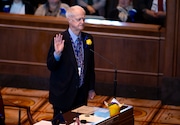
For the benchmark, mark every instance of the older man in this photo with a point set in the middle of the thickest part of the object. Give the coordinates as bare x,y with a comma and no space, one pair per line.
71,64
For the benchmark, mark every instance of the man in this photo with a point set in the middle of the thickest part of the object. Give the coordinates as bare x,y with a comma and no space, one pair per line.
72,76
152,11
122,11
52,8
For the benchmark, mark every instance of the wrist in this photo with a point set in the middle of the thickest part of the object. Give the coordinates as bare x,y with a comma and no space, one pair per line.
57,53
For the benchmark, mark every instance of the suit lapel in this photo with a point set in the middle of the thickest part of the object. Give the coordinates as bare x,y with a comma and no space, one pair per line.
85,52
70,51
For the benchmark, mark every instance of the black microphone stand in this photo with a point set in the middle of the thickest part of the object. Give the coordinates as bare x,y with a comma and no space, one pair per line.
115,82
115,70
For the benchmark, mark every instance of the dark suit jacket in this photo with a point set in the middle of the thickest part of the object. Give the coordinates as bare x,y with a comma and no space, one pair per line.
64,79
145,18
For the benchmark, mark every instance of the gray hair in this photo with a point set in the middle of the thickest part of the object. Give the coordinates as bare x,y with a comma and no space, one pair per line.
72,11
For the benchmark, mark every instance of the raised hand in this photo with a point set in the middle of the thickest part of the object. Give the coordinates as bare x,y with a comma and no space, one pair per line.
58,44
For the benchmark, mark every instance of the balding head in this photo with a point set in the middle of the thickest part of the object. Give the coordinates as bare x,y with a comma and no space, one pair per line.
76,17
74,10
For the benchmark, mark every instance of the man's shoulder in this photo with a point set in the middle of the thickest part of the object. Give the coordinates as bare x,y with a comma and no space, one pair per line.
86,34
65,32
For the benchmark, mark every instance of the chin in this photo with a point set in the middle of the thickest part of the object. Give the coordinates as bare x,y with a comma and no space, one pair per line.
81,28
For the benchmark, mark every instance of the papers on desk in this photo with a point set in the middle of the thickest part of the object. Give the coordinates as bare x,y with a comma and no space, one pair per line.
85,110
43,122
90,120
92,115
81,124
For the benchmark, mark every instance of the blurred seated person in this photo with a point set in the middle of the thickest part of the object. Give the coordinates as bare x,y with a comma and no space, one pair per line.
93,7
36,3
153,11
52,8
124,12
18,7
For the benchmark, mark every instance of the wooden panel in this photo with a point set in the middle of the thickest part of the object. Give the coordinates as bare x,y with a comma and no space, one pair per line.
135,50
172,46
178,40
134,58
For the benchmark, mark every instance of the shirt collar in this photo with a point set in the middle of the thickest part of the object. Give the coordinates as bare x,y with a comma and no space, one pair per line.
73,36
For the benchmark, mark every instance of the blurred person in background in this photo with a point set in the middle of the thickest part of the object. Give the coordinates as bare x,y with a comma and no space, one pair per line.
123,12
93,7
52,8
152,11
17,7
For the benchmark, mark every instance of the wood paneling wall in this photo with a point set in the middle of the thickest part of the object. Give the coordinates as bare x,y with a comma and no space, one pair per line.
172,46
135,50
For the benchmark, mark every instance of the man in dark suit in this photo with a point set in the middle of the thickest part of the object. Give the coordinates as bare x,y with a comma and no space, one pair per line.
151,11
72,76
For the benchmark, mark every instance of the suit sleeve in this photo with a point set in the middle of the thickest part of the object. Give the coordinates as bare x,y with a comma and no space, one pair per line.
92,69
51,61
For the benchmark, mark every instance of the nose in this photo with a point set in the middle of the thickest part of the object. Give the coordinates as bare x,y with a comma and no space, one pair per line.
82,20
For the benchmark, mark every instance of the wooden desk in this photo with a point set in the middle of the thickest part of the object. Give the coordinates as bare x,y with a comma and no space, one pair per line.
125,117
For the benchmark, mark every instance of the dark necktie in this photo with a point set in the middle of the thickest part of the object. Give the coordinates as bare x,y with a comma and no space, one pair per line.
78,49
160,5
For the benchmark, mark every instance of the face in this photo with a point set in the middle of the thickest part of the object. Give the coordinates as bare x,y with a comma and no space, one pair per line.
76,22
124,3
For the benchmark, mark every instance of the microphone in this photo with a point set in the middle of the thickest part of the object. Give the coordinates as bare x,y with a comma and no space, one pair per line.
88,43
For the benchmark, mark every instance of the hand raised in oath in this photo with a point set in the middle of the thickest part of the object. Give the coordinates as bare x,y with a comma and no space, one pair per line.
58,44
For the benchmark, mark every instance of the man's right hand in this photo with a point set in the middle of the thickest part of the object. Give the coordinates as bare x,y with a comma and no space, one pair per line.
91,9
58,44
151,13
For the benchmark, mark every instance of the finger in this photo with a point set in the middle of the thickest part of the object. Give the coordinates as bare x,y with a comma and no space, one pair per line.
60,38
56,38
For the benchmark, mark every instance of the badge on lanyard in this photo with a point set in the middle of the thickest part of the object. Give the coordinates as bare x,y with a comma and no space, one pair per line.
79,71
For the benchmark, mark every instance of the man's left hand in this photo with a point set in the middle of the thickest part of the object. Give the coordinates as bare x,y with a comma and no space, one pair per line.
92,94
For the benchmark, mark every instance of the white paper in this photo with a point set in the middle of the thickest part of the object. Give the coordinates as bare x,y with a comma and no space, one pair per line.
43,122
81,123
91,118
85,110
115,101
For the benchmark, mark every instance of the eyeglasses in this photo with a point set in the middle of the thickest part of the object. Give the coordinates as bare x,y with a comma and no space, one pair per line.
79,19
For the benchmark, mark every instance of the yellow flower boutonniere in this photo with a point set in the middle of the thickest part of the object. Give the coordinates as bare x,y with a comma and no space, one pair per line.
89,42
